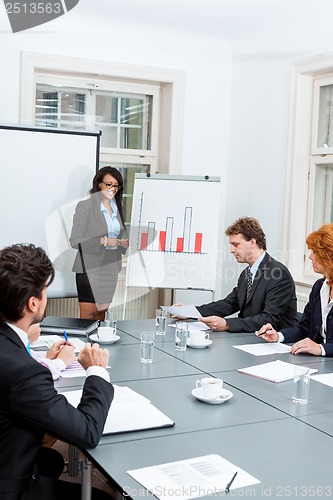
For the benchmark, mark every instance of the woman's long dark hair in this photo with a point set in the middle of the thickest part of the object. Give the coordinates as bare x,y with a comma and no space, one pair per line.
99,177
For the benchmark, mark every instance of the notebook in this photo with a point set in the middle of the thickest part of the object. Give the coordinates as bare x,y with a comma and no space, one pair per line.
129,411
72,326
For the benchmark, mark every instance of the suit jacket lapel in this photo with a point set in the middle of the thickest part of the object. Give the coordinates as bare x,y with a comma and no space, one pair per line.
10,334
241,288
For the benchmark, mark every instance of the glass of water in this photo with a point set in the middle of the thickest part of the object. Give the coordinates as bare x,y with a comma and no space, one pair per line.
160,321
181,335
147,347
110,320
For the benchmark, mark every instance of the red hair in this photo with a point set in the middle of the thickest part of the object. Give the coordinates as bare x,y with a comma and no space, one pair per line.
321,244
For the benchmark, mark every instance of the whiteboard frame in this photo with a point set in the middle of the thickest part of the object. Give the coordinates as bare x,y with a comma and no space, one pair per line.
64,284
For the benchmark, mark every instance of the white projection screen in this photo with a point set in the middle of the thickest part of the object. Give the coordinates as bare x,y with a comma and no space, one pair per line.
43,175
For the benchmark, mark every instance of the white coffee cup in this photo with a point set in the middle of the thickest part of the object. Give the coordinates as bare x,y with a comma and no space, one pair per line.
199,337
211,387
106,333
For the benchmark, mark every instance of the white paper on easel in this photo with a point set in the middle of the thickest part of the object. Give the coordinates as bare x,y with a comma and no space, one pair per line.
192,478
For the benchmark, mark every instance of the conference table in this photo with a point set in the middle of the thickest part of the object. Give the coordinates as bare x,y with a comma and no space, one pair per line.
260,429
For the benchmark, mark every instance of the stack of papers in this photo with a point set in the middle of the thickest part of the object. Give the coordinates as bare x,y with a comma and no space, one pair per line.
275,371
192,478
129,411
49,340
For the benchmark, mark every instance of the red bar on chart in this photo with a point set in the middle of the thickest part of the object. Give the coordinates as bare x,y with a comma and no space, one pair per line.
180,245
198,243
161,241
144,241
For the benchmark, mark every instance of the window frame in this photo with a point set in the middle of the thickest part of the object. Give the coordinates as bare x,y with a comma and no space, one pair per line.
318,83
303,155
94,87
172,96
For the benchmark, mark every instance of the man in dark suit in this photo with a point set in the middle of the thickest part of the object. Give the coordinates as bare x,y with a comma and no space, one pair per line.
30,407
265,289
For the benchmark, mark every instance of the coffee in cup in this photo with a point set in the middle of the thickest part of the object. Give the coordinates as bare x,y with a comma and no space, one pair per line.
198,337
211,387
106,333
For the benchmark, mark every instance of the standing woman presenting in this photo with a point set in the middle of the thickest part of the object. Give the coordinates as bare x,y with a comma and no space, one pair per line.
98,235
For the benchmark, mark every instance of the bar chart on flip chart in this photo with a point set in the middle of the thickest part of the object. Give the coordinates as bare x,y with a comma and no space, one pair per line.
174,232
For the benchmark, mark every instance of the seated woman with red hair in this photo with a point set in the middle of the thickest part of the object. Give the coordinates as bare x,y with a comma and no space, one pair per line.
314,332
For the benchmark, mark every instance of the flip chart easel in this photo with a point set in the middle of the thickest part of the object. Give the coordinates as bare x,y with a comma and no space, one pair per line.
174,232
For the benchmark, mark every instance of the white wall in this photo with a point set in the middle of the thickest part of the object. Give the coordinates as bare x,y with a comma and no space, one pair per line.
237,87
205,60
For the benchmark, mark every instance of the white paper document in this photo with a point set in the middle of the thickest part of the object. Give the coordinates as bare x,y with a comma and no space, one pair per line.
194,326
324,378
275,371
192,478
49,340
129,411
73,370
264,349
189,311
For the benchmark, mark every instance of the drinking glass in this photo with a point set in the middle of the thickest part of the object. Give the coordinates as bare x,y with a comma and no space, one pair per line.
181,335
147,347
160,321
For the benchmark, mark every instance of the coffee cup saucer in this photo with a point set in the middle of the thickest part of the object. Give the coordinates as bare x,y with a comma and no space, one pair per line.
204,344
222,398
95,338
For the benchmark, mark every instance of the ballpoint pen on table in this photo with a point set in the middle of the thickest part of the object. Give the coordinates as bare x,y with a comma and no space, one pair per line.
227,488
65,337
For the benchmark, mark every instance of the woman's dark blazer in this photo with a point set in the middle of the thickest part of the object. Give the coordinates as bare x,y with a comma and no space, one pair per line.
311,322
89,226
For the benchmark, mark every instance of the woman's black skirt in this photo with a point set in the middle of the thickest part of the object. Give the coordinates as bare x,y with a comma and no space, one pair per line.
98,286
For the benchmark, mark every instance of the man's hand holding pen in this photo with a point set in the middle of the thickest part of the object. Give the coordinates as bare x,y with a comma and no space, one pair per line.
268,333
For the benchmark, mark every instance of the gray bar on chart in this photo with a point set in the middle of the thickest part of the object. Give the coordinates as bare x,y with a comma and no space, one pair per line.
169,231
151,235
187,228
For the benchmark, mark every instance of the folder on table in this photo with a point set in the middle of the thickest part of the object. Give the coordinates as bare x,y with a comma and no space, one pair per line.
72,326
129,411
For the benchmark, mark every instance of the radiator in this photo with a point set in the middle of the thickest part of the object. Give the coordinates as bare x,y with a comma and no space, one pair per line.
302,300
140,303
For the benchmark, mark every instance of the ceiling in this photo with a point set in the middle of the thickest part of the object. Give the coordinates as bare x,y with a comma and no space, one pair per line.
243,23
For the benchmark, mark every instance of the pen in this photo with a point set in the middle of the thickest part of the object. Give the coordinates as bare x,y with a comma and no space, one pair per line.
263,333
227,488
65,337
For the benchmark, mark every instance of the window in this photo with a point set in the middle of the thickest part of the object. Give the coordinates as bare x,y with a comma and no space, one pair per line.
139,110
125,119
309,188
